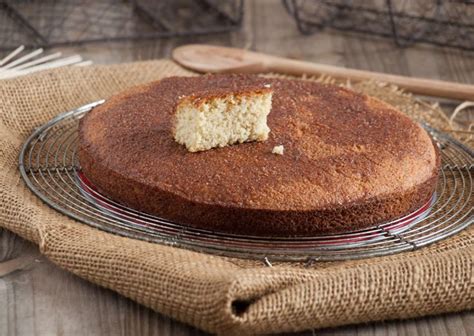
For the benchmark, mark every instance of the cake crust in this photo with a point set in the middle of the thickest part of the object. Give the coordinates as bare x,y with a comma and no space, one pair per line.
200,97
350,161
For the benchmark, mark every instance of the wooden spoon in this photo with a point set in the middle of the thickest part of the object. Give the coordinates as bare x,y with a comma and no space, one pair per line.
207,58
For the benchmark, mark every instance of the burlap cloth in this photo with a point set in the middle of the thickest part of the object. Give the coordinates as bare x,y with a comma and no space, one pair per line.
217,294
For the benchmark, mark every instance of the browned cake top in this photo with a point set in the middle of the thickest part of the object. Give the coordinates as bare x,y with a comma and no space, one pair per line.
340,146
200,97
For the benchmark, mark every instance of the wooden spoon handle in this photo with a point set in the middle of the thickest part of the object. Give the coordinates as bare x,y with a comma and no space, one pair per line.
429,87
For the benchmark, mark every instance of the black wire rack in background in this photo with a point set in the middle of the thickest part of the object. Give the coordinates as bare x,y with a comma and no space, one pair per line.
46,23
448,23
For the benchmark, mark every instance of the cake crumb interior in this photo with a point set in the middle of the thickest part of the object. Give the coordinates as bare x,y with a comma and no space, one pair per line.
205,122
278,150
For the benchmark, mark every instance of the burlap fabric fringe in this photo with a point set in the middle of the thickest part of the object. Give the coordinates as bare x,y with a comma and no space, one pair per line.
220,295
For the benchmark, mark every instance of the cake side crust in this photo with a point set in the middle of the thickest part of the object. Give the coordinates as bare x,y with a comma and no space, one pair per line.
260,222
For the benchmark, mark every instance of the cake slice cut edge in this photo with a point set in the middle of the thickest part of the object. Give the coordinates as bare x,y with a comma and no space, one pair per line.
221,118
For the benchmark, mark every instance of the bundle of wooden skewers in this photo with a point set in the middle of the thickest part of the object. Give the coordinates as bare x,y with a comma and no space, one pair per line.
17,63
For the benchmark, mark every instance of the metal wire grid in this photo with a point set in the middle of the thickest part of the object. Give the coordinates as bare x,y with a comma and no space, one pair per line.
45,23
440,22
49,166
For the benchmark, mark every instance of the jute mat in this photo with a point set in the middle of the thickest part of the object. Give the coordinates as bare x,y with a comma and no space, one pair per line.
216,294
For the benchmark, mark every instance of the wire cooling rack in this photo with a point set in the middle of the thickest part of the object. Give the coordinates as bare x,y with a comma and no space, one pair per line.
440,22
46,23
48,164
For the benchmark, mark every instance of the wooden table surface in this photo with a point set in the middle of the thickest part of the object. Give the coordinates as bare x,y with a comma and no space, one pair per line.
42,299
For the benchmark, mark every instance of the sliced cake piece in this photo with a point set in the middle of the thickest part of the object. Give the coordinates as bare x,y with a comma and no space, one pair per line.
222,117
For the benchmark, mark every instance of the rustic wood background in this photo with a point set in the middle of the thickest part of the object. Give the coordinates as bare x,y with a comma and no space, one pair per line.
41,299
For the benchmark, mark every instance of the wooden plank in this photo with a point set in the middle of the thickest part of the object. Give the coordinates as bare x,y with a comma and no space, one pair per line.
46,300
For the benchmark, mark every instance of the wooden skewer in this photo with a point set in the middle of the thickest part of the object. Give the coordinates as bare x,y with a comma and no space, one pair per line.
39,61
14,72
11,67
22,59
58,63
83,63
11,55
207,58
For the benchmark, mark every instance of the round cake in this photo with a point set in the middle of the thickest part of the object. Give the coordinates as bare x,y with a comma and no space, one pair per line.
350,161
